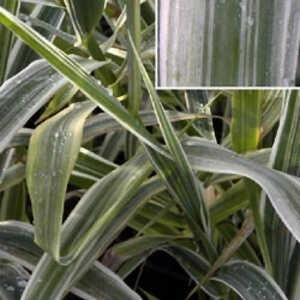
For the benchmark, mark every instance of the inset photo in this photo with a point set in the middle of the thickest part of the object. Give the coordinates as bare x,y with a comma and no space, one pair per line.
227,43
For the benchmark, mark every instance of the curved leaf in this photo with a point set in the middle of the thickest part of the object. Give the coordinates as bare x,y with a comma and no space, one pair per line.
261,156
249,281
13,279
52,153
61,278
188,190
5,160
102,283
16,245
203,155
195,265
282,189
24,94
12,176
103,123
78,76
285,157
21,55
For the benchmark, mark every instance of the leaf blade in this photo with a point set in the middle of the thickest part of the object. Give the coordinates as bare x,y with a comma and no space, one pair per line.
249,281
48,172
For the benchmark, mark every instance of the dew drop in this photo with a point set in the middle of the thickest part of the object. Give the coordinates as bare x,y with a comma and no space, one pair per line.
22,283
250,21
10,288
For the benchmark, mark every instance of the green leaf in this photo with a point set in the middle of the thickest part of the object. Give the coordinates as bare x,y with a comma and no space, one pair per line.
197,102
92,164
76,231
106,218
75,73
113,144
12,176
146,226
60,99
52,153
6,37
135,91
84,17
17,246
240,237
246,120
293,286
245,134
282,189
261,156
246,251
134,27
196,266
5,160
271,109
249,281
13,204
102,123
13,279
229,202
24,94
149,296
191,262
203,155
162,214
44,2
137,246
102,283
285,156
21,55
187,190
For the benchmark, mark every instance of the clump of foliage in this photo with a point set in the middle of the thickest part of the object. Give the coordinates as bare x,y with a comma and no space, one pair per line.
89,149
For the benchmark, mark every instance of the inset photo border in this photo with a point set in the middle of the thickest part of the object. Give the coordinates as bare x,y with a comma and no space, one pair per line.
227,44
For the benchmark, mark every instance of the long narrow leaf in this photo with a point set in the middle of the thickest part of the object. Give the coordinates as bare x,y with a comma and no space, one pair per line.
282,189
249,281
188,190
17,246
77,75
245,134
21,55
13,279
285,157
6,37
63,278
84,18
24,94
52,153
